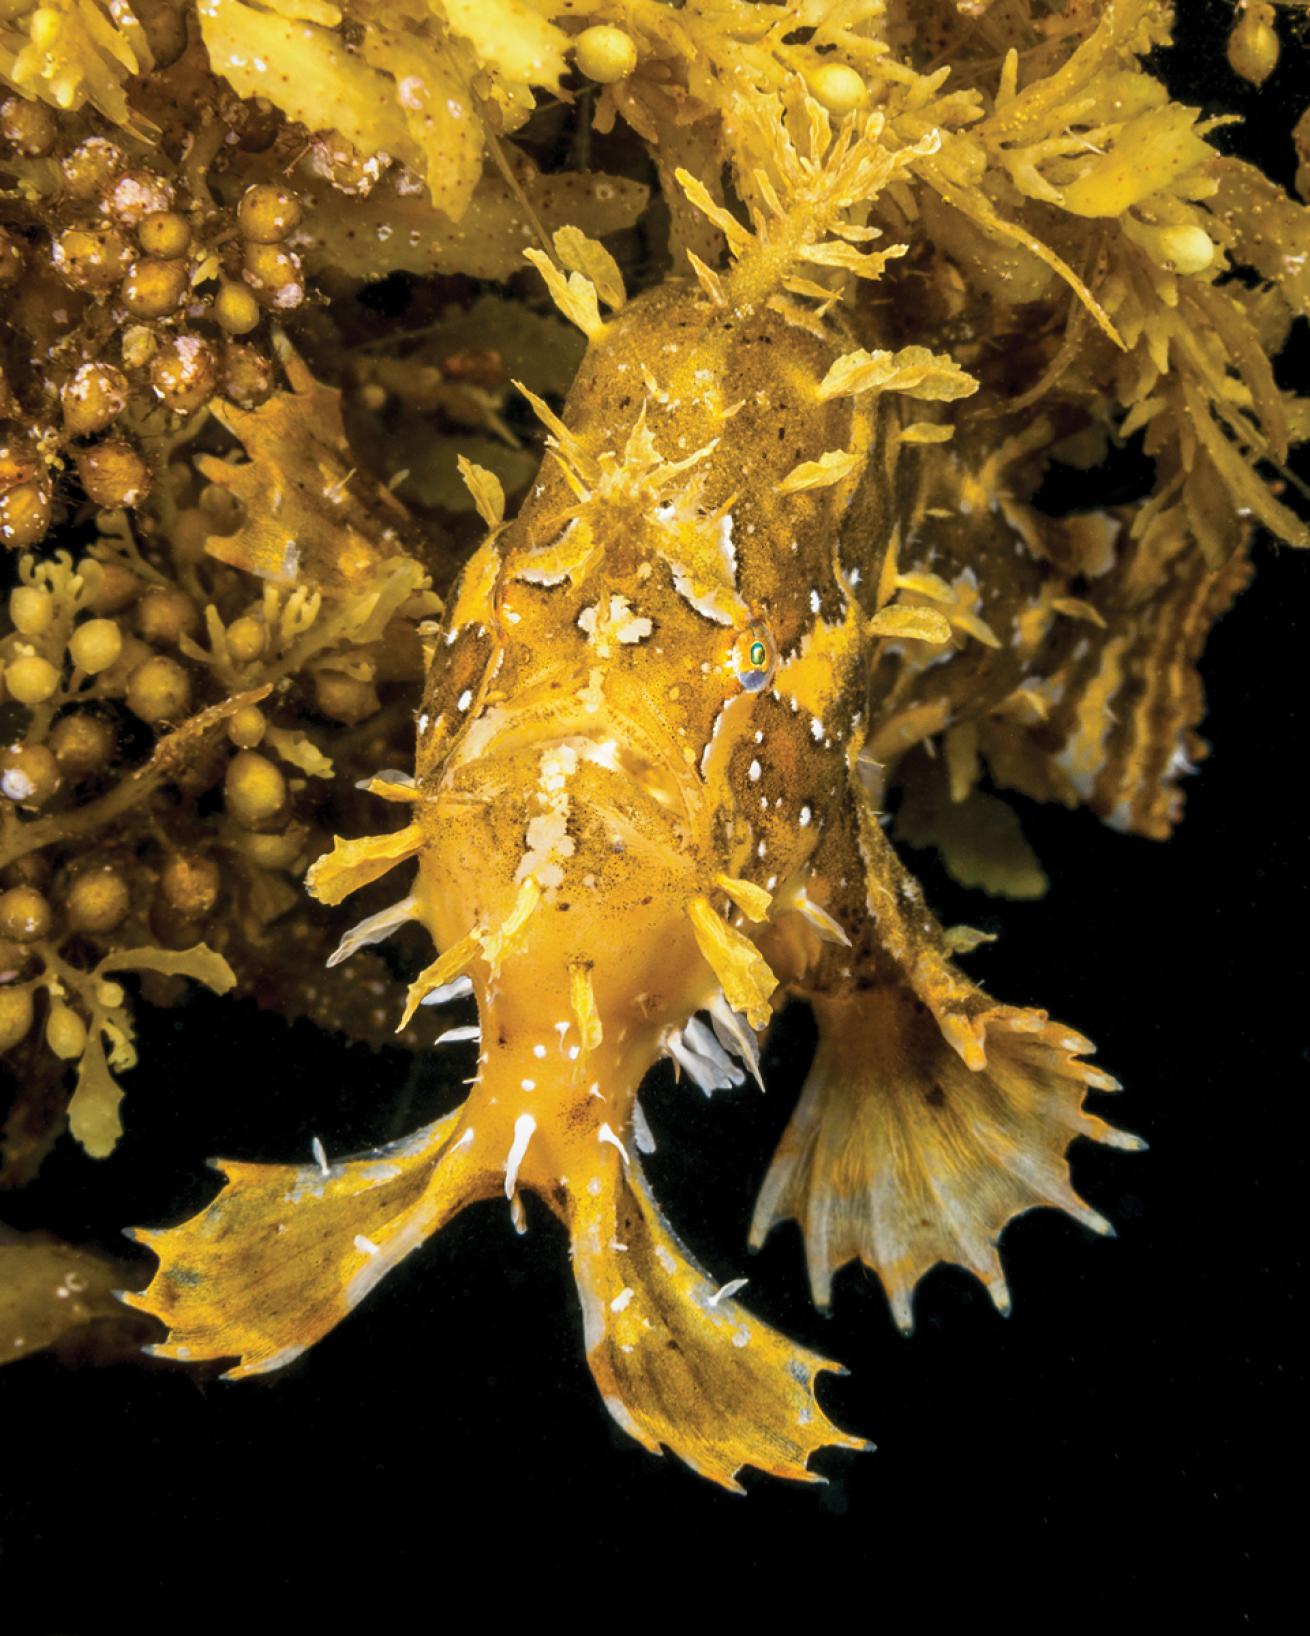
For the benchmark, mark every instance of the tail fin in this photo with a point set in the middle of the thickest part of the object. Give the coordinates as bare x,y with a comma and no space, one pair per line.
286,1251
902,1155
677,1361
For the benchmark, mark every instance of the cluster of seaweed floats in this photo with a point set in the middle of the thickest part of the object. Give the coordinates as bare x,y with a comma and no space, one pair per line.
264,295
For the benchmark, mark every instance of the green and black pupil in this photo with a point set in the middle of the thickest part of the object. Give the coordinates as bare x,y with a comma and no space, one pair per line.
758,655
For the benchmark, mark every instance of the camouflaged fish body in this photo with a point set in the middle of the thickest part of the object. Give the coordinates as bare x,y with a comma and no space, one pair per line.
646,810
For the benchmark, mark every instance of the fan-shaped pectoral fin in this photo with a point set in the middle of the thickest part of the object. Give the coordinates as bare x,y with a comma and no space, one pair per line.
678,1361
284,1252
900,1155
931,1115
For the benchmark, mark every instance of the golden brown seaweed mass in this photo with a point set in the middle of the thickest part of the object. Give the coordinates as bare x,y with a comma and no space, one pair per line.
265,300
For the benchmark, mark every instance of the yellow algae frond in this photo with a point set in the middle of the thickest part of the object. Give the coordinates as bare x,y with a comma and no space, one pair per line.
926,431
307,513
107,1044
352,864
957,603
741,969
592,275
511,38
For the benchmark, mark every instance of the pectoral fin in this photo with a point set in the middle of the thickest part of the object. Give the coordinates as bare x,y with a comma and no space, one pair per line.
286,1251
679,1362
902,1154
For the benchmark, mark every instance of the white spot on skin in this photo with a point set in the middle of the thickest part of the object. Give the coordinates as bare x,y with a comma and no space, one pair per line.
621,1300
753,772
365,1246
465,699
805,817
528,1084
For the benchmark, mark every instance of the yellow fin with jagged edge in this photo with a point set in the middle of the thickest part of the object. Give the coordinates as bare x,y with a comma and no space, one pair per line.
286,1251
901,1155
678,1361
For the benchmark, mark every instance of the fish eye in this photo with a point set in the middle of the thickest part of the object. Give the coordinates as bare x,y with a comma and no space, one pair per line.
754,658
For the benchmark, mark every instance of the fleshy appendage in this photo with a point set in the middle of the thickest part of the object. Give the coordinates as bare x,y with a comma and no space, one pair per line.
677,1360
902,1155
286,1251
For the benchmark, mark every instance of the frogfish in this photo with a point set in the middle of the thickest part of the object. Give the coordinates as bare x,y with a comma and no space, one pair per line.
646,810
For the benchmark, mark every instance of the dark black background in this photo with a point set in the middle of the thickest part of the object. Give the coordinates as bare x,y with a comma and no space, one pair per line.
1132,1433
